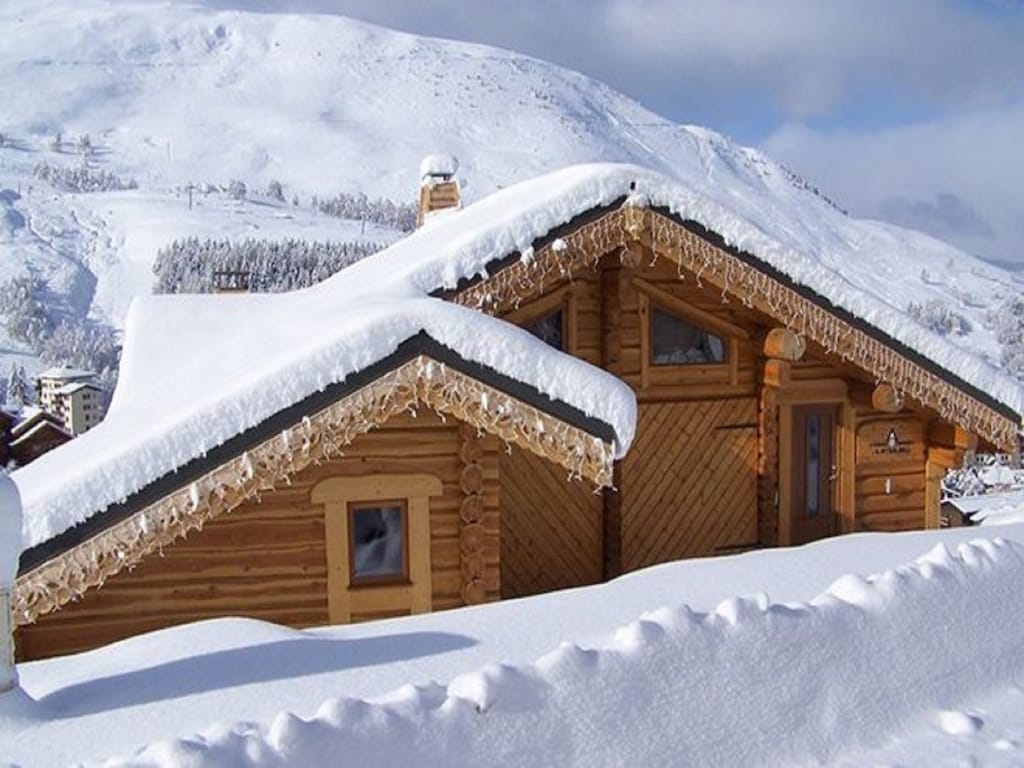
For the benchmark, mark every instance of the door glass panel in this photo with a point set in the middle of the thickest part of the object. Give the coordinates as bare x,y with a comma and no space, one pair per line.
813,465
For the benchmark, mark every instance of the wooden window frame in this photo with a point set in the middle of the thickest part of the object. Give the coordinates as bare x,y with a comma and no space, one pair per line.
661,375
653,308
562,299
345,599
358,582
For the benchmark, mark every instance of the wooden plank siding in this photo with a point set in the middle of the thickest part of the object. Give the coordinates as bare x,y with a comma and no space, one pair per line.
266,560
551,527
689,484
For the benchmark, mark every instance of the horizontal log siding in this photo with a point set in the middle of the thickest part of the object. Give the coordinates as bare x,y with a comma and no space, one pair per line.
903,508
266,560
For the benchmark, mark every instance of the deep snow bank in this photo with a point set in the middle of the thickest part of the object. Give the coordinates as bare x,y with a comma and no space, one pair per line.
751,682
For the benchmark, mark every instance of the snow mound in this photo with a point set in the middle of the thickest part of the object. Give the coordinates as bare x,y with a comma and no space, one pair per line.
751,682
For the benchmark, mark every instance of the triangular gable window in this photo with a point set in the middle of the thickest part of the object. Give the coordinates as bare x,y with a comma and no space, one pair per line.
676,341
549,328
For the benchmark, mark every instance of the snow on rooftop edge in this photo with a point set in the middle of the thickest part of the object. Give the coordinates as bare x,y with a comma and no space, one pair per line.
196,372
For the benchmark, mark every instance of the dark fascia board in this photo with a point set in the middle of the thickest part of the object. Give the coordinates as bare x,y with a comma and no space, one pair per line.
498,264
420,344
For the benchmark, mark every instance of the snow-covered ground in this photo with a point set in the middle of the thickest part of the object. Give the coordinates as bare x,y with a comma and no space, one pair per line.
922,664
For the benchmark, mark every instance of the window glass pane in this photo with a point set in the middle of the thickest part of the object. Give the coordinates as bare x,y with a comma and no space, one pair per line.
675,341
378,542
548,328
813,465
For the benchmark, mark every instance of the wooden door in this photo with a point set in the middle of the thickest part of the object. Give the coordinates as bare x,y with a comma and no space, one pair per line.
814,462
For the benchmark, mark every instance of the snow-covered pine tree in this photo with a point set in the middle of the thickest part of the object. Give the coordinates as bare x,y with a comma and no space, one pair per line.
275,191
17,387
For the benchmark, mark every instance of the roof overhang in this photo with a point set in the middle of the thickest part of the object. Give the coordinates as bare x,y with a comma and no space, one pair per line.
582,242
421,372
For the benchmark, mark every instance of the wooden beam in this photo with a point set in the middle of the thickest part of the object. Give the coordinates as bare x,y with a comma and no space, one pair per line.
951,436
699,316
846,448
784,344
632,255
885,398
933,475
806,391
777,373
611,526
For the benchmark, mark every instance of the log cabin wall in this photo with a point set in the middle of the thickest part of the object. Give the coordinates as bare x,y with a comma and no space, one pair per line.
890,473
689,483
688,486
267,559
551,526
704,474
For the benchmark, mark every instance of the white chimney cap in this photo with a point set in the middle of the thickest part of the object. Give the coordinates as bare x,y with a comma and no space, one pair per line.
438,165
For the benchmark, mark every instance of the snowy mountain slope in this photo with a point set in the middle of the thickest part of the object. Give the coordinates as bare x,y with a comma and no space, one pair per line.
172,94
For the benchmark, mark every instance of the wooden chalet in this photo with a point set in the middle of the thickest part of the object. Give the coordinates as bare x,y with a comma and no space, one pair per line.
768,415
32,436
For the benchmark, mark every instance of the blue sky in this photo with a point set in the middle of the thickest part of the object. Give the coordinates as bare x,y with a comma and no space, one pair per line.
907,110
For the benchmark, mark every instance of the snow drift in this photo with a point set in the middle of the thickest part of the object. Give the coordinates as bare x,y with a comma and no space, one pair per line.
751,682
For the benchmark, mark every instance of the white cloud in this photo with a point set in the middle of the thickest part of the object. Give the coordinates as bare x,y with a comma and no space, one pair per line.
975,156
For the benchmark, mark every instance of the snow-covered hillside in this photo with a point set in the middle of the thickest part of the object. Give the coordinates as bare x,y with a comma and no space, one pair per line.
179,94
173,94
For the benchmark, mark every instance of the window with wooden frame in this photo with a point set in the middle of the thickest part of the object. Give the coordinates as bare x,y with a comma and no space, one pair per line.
683,345
378,542
677,341
551,318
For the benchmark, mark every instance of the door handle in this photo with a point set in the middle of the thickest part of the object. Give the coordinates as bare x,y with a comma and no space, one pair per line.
835,473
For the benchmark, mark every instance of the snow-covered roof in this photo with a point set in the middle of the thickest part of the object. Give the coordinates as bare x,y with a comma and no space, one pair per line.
65,373
31,416
39,426
197,370
870,269
70,389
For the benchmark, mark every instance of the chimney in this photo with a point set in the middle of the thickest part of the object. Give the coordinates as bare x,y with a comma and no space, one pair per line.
10,551
439,189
